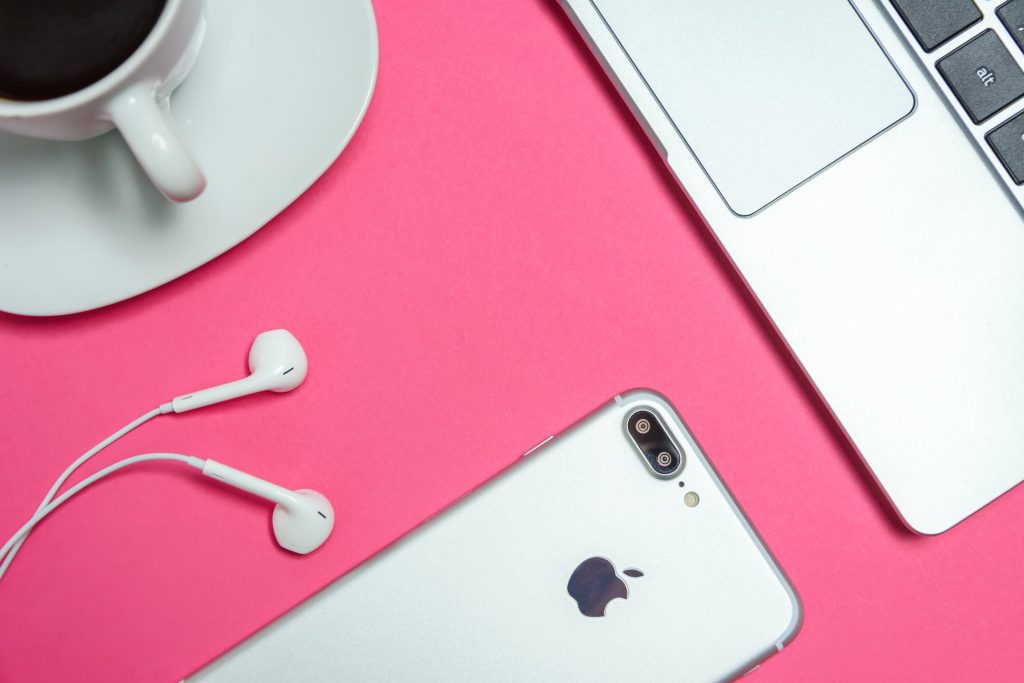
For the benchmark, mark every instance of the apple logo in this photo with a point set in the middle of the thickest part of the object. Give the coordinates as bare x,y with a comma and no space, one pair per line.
594,584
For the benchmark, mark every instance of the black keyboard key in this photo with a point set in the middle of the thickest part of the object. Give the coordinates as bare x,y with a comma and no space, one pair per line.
1012,16
933,22
983,76
1007,141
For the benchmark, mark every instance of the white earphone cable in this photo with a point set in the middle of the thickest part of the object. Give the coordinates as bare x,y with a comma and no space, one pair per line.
8,553
45,510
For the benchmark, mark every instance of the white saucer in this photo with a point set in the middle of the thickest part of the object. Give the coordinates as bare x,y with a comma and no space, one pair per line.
276,93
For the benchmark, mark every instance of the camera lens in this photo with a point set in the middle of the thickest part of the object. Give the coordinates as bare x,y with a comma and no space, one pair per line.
654,443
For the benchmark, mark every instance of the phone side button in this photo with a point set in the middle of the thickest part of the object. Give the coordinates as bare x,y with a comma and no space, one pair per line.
752,670
538,445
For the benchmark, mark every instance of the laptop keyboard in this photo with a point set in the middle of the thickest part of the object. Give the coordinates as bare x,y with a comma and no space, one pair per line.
975,51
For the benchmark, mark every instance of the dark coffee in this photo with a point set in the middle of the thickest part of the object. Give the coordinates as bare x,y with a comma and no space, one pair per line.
50,48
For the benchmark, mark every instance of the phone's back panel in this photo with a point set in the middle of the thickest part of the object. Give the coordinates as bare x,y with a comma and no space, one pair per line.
481,592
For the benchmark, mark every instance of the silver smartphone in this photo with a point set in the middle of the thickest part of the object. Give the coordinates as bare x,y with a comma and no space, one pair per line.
612,551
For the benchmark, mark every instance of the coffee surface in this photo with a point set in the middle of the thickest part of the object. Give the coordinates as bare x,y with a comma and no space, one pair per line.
50,48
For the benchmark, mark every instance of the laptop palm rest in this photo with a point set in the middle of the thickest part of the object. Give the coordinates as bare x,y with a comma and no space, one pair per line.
765,96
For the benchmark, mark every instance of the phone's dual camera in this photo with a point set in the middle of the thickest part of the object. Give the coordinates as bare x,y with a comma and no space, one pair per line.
654,443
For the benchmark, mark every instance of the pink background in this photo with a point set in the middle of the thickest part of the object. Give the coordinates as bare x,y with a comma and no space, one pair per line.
497,252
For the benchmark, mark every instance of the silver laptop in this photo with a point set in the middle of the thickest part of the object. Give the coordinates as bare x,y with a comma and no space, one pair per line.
861,163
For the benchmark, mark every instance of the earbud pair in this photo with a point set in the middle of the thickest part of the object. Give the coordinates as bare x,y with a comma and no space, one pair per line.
302,519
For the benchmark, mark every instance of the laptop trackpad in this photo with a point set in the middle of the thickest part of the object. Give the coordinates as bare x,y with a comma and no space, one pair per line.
765,94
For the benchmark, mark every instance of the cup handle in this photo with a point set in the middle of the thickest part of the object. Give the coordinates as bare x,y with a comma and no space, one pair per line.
149,131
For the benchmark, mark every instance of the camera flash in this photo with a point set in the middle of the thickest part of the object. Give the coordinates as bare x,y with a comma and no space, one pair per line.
691,499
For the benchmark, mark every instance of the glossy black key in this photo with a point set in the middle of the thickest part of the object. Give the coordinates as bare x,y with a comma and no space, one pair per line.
1007,141
1012,16
933,22
983,76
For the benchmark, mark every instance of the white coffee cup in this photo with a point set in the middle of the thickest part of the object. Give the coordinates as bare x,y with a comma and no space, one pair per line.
134,99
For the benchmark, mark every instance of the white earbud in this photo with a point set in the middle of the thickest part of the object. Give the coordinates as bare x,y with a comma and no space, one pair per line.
303,519
276,363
